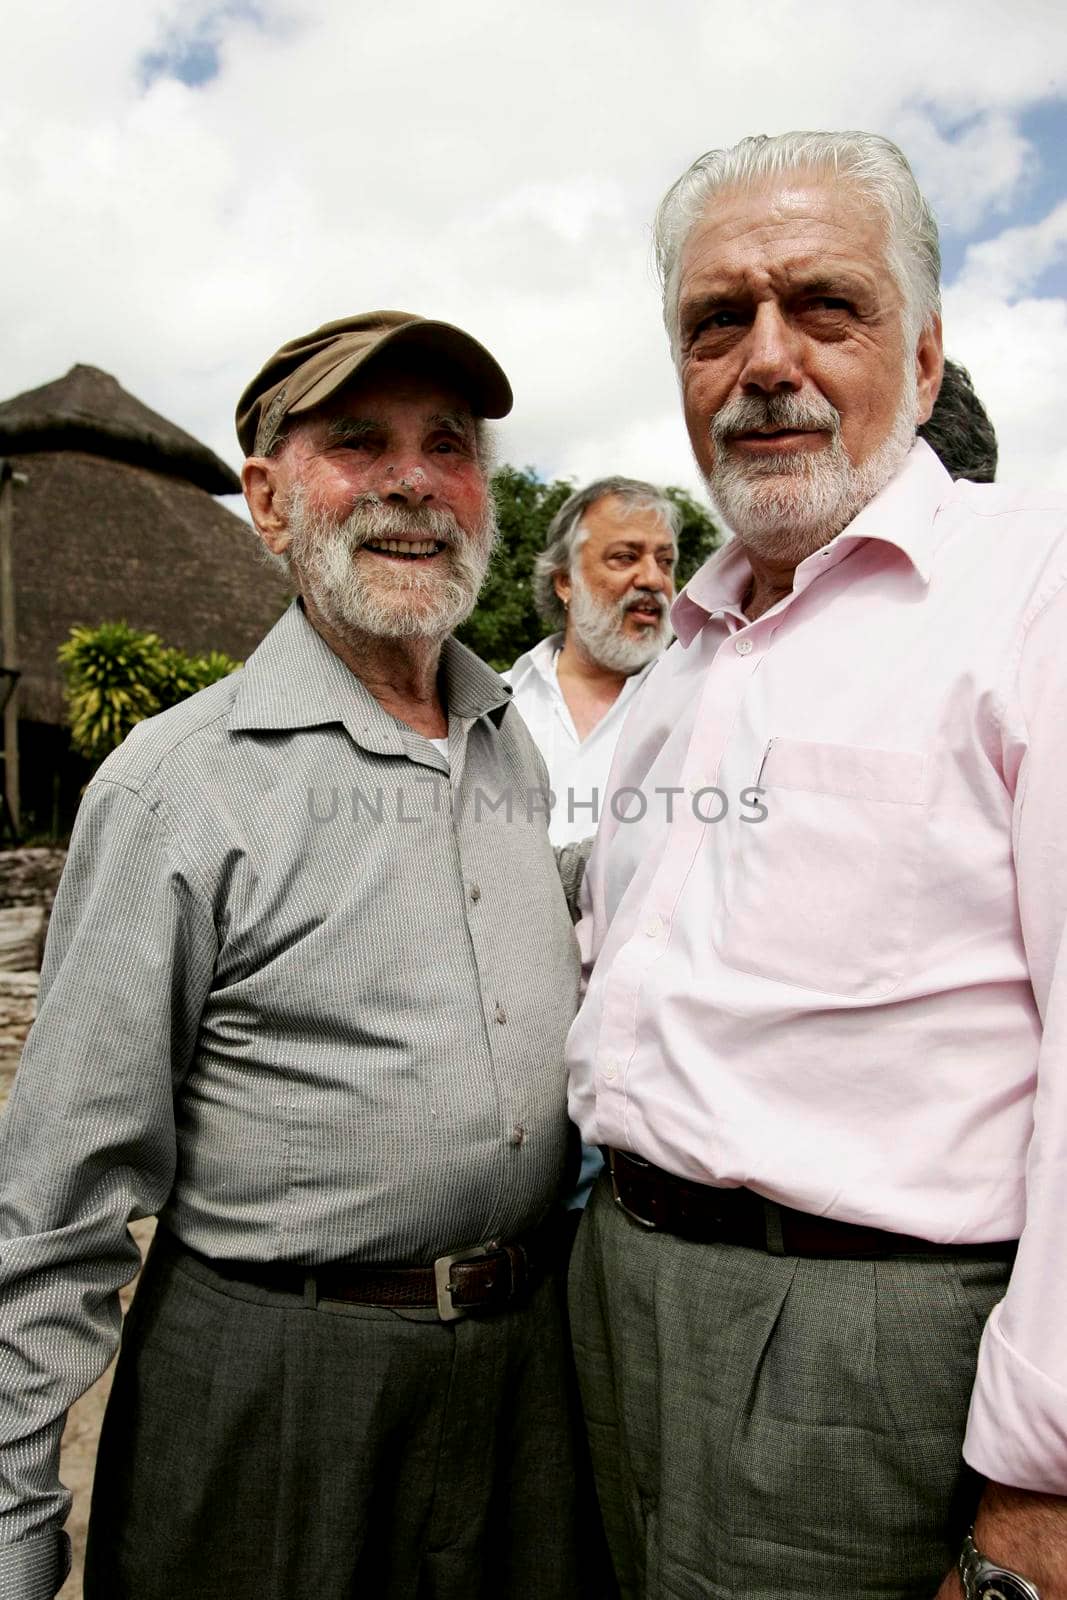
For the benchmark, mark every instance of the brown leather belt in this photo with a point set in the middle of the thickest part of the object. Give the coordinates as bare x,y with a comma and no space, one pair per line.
698,1211
482,1278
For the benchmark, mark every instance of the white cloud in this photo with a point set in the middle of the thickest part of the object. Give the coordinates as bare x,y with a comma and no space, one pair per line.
1002,267
969,172
1015,344
482,162
1016,355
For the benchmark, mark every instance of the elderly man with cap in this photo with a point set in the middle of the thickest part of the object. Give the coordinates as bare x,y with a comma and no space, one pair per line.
291,1005
819,1302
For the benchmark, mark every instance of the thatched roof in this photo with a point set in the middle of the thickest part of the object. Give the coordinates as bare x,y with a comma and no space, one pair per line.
88,410
100,536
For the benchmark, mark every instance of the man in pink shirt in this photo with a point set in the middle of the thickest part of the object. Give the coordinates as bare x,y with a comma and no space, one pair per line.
825,1036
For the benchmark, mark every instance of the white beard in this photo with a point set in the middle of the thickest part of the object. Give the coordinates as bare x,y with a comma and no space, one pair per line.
395,599
598,628
784,507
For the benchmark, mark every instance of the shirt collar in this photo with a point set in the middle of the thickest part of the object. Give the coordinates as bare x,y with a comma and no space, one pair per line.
539,660
719,585
903,515
294,680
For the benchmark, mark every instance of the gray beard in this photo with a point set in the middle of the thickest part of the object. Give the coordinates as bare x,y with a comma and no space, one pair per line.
403,600
598,628
785,507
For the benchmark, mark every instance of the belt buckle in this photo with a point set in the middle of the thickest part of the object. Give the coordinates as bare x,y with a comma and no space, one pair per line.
442,1276
642,1222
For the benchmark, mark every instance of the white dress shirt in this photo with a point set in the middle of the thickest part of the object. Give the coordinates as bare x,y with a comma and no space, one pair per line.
577,768
857,1006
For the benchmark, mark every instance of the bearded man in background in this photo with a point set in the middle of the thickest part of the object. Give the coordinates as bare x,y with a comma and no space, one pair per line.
604,581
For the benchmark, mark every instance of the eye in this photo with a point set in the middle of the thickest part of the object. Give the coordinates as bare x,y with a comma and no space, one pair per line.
829,303
354,442
724,317
715,329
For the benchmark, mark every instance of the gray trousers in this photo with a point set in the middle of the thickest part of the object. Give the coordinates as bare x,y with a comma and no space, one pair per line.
257,1447
771,1427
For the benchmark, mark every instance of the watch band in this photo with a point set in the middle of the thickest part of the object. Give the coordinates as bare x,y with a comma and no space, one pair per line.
984,1580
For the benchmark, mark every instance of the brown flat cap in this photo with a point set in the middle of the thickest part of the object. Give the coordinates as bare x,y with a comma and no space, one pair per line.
307,371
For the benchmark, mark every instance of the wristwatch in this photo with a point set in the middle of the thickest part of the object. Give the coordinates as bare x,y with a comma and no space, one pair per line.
982,1580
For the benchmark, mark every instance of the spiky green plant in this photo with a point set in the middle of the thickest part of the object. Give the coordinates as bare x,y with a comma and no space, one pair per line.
181,675
116,676
112,677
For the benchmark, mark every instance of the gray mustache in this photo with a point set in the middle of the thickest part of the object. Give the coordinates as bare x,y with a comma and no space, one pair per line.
772,411
371,518
648,598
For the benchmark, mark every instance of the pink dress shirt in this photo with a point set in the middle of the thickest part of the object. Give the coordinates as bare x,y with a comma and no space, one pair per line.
857,1004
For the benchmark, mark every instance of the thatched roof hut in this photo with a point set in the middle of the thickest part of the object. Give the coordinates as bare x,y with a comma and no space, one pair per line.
115,521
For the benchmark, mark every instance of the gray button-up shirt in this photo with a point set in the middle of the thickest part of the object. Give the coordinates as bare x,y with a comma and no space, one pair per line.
305,995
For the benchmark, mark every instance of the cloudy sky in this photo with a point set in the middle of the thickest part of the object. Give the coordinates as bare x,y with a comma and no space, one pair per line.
185,185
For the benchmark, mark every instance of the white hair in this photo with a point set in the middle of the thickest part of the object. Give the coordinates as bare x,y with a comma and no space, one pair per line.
872,164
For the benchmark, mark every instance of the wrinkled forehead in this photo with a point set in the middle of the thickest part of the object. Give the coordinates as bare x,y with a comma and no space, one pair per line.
787,221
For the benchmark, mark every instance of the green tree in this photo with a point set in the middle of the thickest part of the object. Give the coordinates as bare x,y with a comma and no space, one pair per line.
505,621
116,676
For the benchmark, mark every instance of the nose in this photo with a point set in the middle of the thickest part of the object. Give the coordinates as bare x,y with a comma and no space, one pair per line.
406,482
772,355
650,575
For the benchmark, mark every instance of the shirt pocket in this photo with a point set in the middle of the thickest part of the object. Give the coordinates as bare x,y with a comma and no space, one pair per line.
821,893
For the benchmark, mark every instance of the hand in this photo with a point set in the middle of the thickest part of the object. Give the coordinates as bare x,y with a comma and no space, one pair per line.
1025,1532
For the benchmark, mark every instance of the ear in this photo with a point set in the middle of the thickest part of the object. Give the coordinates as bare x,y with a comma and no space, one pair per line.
264,485
561,582
929,365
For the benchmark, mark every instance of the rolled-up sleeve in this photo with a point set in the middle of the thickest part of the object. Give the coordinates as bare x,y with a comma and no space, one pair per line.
88,1142
1017,1429
571,860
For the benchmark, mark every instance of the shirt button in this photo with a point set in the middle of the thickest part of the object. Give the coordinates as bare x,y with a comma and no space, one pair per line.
476,893
653,927
743,647
517,1134
610,1069
500,1014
